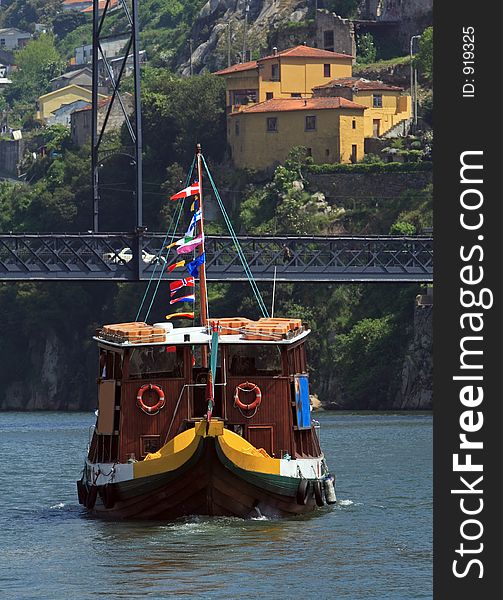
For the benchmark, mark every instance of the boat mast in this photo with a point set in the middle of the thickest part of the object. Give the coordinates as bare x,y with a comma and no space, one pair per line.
203,293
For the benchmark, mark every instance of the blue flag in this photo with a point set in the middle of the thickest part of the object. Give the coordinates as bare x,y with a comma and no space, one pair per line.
193,266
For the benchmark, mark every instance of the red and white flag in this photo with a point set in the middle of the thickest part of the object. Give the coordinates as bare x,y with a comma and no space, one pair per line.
174,286
192,190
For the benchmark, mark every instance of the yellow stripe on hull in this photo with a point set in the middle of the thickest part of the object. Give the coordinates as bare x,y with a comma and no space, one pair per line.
181,448
170,457
246,456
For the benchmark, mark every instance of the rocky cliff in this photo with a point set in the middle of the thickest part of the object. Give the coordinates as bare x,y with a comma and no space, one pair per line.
230,31
58,374
416,390
222,26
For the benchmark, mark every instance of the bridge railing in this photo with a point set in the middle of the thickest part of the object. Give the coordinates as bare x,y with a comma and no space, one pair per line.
289,258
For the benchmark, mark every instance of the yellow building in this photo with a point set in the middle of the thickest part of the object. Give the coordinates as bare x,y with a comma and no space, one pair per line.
291,73
263,134
386,104
50,102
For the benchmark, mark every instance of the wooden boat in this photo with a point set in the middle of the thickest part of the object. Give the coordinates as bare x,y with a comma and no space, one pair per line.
204,420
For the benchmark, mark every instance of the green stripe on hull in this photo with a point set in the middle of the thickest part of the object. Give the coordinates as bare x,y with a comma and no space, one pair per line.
276,484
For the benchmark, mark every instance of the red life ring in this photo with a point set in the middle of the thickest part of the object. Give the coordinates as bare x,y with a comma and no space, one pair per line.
150,410
247,387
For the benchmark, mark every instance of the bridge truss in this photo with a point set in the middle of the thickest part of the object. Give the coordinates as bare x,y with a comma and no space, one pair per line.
114,257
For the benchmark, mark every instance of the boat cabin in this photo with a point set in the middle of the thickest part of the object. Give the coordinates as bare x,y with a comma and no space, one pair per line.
153,384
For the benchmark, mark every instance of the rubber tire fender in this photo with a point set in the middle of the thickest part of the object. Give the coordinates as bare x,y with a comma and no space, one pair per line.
91,496
81,492
318,494
107,495
303,491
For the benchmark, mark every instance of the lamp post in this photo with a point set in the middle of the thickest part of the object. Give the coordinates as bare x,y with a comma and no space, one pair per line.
413,89
245,32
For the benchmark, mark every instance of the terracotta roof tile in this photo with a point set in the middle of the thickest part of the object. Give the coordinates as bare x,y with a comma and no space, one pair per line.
247,66
295,52
358,84
289,104
101,6
306,52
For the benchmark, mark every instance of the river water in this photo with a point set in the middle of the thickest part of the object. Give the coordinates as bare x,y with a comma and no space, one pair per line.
375,543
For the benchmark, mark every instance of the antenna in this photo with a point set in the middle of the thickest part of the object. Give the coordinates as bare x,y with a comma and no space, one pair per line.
273,292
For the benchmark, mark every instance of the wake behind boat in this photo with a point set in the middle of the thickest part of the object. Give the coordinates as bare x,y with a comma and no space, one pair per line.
203,420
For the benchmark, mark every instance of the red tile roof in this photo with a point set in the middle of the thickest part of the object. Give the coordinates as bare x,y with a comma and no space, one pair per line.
359,84
295,52
306,52
289,104
101,6
247,66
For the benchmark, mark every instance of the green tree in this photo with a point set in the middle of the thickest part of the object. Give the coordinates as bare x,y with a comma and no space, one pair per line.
66,22
38,62
343,8
366,51
25,13
179,112
285,206
424,57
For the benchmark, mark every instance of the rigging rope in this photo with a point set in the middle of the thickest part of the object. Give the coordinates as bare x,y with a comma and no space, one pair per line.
161,250
246,267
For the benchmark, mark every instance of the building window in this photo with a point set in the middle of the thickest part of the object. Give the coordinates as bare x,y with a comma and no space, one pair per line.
296,95
269,95
310,123
326,70
354,124
275,71
328,40
239,97
377,100
236,127
2,41
272,124
309,151
327,151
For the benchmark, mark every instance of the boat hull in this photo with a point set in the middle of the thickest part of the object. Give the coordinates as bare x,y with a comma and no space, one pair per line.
206,484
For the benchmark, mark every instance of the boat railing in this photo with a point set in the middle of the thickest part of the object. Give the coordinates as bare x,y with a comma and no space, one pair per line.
317,428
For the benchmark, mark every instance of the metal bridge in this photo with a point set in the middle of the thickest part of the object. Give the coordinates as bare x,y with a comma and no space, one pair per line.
115,257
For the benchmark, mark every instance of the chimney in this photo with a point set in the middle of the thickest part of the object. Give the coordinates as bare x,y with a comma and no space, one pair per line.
275,51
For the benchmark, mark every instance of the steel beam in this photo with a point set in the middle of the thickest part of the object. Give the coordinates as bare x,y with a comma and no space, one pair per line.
98,257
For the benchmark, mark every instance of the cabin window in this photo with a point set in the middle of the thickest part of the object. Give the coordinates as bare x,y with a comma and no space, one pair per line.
197,356
254,360
326,70
377,100
157,361
149,444
110,365
272,124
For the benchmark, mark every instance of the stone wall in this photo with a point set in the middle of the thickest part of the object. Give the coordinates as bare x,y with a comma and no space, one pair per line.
338,187
342,30
11,153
